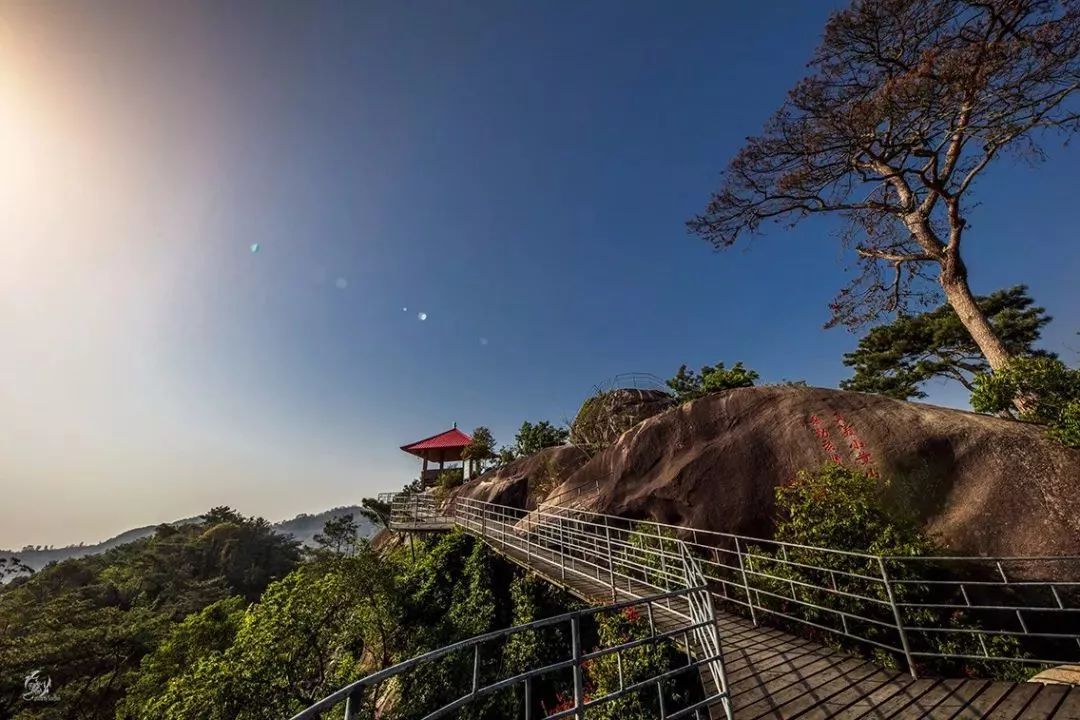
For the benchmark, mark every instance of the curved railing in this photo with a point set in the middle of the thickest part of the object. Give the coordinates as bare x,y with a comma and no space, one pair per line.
943,614
364,692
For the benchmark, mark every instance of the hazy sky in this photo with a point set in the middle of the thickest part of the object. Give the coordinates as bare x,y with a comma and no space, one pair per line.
520,172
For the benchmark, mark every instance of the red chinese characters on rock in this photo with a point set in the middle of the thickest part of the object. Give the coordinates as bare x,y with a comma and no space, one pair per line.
856,448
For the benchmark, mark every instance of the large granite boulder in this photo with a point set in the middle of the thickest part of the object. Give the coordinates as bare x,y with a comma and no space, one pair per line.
979,484
608,414
526,481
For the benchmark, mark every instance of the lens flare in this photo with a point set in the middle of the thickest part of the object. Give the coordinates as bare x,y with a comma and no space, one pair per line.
422,315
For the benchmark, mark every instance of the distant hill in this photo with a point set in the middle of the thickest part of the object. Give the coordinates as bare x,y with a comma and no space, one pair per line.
303,527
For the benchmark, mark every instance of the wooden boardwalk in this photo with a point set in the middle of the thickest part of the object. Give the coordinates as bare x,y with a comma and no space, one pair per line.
774,675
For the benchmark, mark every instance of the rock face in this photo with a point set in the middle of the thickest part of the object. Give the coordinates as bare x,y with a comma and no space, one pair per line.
607,415
980,485
527,480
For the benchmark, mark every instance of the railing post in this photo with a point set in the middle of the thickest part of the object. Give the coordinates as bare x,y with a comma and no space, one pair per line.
899,621
610,559
562,549
352,706
746,584
663,563
579,680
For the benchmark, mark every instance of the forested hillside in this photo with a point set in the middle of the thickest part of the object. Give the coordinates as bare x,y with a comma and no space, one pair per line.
303,528
225,618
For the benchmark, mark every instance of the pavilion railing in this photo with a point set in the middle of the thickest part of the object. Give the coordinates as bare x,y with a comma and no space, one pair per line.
942,615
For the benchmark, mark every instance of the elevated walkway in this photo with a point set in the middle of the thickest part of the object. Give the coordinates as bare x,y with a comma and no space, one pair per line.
773,674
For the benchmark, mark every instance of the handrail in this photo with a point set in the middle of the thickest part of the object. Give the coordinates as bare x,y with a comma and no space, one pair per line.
945,609
354,693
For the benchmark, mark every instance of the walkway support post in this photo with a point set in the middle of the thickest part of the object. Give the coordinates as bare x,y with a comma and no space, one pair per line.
746,584
579,680
897,618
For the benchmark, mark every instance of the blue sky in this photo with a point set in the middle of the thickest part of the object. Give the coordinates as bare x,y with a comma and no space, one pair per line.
520,172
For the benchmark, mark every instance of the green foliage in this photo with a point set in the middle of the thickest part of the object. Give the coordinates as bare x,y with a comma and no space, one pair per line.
376,511
838,507
449,479
13,566
648,543
199,639
1048,388
532,438
481,447
322,626
450,595
898,358
689,385
1066,429
88,622
845,509
339,536
638,663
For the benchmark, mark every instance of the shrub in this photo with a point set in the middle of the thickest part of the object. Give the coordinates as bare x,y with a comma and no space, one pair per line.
688,385
1049,389
843,508
450,479
608,414
532,438
848,509
638,663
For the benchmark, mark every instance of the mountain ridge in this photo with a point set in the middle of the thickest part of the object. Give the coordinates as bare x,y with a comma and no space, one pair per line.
302,527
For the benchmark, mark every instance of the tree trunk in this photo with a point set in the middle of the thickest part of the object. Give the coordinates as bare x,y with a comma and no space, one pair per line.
954,282
963,302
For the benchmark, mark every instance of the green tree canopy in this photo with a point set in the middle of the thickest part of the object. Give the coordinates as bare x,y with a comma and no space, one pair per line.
482,445
532,438
688,385
896,359
89,621
376,511
339,536
1052,390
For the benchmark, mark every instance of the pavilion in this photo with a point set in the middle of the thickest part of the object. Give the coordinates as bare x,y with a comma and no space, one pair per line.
442,448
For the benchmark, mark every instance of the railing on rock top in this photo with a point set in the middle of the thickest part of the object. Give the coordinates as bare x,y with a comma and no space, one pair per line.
952,614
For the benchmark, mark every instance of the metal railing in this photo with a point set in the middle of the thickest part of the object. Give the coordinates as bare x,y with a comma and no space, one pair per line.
951,613
419,511
362,694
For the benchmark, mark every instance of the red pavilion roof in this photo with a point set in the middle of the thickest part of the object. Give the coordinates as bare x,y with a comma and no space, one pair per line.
447,440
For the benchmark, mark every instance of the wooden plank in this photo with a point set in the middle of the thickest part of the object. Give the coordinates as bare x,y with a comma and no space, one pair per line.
1012,705
1070,706
817,703
740,663
811,691
882,684
908,694
981,703
873,698
945,699
787,679
1046,702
